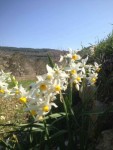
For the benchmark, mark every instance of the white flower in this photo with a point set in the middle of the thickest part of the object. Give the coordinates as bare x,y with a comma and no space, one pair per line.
2,117
77,79
83,65
73,68
93,78
96,67
61,58
20,92
42,106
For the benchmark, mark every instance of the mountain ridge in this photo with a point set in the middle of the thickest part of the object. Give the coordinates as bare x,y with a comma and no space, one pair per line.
27,62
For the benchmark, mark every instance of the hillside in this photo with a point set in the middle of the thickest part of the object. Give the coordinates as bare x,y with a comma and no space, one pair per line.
27,62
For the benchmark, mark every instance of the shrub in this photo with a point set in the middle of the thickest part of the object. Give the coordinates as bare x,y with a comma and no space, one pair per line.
104,55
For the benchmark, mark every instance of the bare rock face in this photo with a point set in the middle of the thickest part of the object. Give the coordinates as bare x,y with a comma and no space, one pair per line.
105,141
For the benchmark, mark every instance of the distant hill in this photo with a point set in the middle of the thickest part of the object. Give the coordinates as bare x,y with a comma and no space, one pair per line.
30,51
27,62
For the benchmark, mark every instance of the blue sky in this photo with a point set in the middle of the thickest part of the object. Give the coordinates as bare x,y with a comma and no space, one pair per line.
59,24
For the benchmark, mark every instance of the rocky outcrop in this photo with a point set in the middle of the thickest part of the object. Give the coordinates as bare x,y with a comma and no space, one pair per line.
105,141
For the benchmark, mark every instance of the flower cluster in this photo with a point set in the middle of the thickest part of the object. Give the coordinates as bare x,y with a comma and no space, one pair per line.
43,93
78,69
40,98
5,80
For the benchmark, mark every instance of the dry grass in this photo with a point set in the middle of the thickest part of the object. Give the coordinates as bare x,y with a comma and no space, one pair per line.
11,112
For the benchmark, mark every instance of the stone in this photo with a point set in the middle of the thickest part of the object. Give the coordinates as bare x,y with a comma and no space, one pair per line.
105,141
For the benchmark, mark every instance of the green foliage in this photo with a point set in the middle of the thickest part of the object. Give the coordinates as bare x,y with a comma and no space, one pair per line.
26,83
105,85
50,61
104,47
73,125
104,55
85,52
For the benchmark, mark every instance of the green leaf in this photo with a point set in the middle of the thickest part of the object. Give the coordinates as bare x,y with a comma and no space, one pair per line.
2,143
57,120
55,115
50,61
59,133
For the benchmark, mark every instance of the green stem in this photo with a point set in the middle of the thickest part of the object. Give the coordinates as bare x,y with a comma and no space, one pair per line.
68,123
46,132
70,93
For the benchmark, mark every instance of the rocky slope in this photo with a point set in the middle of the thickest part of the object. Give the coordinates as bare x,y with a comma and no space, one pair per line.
25,62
